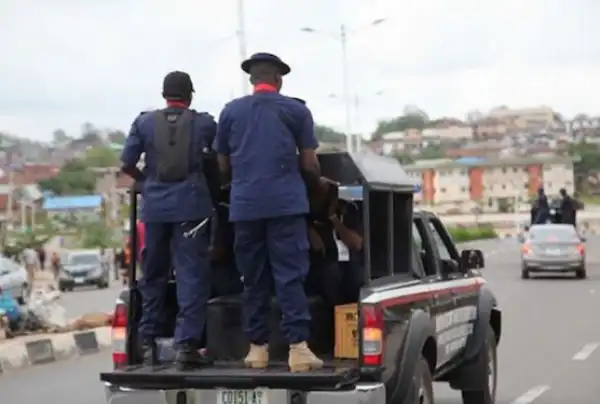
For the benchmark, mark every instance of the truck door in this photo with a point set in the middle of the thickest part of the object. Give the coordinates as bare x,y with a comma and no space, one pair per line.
442,302
454,326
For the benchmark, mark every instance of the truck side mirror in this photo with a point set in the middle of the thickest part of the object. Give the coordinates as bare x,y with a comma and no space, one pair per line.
471,259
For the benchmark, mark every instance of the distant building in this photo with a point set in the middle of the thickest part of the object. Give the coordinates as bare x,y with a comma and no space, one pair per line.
21,182
527,118
490,182
79,207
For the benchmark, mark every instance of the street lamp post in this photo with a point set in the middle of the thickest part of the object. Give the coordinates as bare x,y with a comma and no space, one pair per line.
242,47
343,39
357,105
346,85
357,102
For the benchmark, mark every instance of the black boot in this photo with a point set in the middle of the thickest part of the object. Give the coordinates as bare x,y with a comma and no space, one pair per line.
188,357
149,353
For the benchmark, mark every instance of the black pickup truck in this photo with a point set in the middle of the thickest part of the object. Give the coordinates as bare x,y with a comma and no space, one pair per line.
425,314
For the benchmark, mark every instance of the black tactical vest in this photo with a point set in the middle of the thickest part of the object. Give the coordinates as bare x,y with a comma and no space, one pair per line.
172,142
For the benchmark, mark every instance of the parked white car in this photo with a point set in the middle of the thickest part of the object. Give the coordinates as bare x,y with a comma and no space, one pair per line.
13,279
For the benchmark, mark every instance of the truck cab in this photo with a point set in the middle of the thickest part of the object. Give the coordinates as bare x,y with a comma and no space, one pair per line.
424,313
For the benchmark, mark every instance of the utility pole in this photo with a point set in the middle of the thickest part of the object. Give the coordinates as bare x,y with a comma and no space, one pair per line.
346,87
242,46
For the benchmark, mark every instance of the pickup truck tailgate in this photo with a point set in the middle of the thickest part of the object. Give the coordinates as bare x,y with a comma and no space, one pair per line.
232,376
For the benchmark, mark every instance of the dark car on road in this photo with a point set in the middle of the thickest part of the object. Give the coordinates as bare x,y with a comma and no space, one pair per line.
553,248
83,268
424,314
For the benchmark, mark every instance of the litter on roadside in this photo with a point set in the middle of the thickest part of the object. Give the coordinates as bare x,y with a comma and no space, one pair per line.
43,313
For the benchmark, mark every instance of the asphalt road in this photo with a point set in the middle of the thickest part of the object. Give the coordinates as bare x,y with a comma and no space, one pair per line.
547,354
90,299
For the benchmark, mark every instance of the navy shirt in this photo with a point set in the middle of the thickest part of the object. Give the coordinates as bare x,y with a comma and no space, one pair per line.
171,202
261,134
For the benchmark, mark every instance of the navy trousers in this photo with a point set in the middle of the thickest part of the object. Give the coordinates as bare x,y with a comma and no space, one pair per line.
267,251
187,245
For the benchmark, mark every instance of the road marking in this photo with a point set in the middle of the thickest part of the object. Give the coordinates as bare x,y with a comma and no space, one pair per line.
531,395
586,351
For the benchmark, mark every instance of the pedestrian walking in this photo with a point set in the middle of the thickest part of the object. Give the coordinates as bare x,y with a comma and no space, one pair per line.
30,259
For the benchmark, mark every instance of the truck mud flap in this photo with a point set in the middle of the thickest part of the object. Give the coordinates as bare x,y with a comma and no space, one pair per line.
233,377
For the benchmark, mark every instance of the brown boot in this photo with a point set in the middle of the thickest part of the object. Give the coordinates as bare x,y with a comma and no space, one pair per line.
302,359
258,357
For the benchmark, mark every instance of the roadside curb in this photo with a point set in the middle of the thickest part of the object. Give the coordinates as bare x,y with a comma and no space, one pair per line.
35,350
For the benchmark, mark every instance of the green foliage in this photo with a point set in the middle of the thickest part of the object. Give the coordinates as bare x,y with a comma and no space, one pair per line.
117,136
431,152
399,124
462,234
101,157
326,134
589,163
94,235
124,211
404,159
20,241
74,178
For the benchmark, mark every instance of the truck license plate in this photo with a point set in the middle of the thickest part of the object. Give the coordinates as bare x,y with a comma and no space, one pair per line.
257,396
79,281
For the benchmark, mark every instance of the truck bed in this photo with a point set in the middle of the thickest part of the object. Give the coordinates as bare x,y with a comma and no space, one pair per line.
233,375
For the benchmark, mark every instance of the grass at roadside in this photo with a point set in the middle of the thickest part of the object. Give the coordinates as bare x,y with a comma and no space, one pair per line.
462,234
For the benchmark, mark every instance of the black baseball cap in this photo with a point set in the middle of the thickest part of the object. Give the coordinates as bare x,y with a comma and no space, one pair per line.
177,84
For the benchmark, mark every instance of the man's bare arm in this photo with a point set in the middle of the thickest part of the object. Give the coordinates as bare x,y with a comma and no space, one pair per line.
310,167
349,237
224,168
133,172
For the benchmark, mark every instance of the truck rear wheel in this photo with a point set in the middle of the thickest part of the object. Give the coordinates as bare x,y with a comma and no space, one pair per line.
423,383
488,394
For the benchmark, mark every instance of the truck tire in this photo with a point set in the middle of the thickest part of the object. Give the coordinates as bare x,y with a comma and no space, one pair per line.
423,383
488,394
581,273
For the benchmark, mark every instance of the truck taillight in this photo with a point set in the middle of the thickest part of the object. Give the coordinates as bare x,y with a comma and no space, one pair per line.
119,335
372,335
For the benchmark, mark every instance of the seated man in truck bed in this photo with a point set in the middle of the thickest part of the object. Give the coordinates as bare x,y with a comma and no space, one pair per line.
334,236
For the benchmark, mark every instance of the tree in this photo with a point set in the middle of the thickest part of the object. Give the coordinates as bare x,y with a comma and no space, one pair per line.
326,134
59,136
89,133
400,124
116,136
589,161
74,178
101,157
432,151
413,110
404,158
95,235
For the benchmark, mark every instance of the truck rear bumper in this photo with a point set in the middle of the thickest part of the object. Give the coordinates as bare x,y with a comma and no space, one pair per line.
372,393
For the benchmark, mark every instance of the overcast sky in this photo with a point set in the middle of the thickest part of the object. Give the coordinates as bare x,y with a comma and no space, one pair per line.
65,62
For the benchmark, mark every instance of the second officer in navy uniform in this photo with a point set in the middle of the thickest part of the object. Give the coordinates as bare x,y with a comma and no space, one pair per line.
266,147
176,209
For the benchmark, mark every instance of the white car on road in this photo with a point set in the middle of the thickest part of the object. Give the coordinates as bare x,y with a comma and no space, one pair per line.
13,279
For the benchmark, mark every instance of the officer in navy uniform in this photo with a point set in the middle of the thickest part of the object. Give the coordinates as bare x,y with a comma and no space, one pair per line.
176,209
266,147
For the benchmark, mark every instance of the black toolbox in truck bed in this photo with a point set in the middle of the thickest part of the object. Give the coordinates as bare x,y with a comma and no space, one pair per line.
232,375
